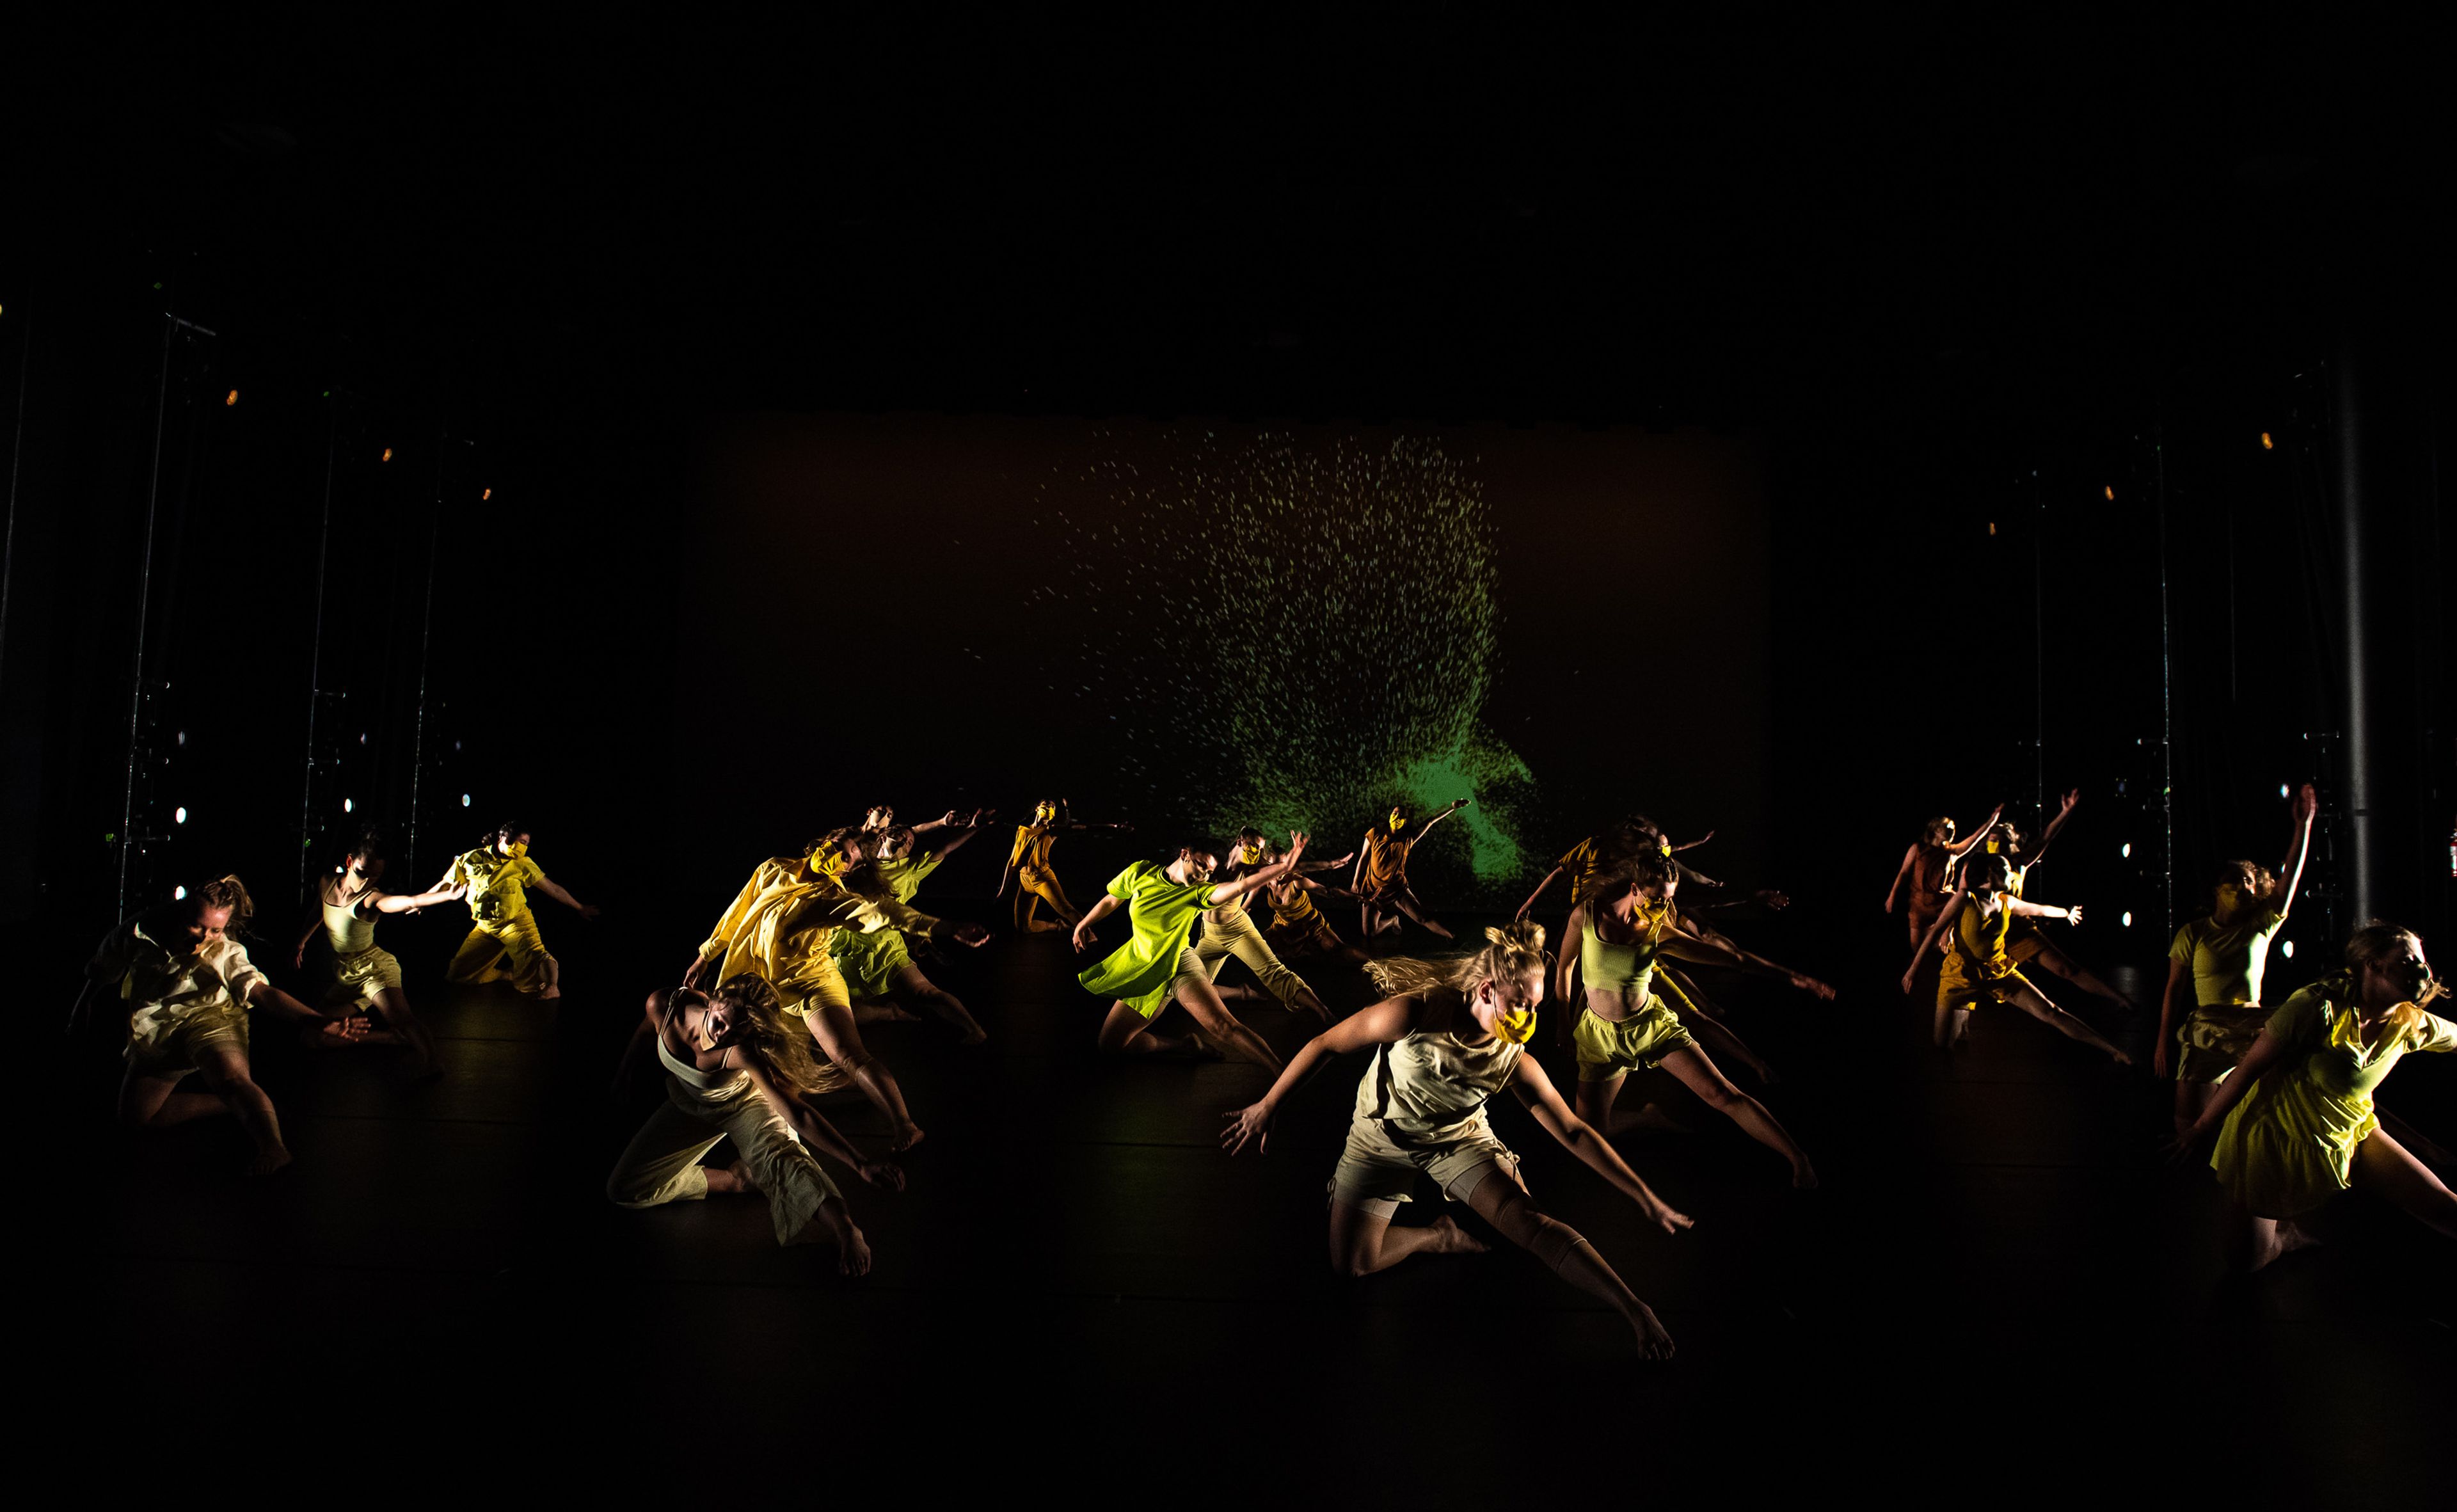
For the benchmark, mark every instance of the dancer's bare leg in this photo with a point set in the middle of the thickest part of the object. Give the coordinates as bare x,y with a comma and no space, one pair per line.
1951,1024
2387,1169
2191,1098
224,1068
1502,1202
392,1004
839,1039
1201,1001
1698,1074
156,1102
939,1003
1362,1242
1594,1102
2031,1001
2073,971
1407,904
1127,1033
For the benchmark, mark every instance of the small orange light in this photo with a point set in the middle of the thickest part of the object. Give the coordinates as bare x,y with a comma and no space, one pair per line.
1991,527
387,456
2111,491
234,399
485,493
2265,443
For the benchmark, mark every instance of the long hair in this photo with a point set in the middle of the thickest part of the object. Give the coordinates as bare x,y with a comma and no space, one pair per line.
1935,830
228,892
777,1039
2375,943
1510,952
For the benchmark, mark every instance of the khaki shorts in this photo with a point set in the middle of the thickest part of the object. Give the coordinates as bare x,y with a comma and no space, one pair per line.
2216,1038
170,1047
1639,1042
359,978
1376,1173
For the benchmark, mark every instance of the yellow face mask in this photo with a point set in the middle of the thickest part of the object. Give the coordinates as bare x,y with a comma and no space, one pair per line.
827,861
1517,1025
1993,845
1398,822
1044,812
517,849
1250,855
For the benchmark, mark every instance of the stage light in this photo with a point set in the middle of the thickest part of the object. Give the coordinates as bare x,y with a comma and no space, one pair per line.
486,494
465,800
2289,948
2128,850
2282,790
2111,493
177,893
179,815
2128,919
2265,443
1991,527
184,737
232,400
346,805
387,456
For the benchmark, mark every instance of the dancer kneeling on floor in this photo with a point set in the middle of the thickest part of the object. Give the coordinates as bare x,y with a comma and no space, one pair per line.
737,1065
1453,1033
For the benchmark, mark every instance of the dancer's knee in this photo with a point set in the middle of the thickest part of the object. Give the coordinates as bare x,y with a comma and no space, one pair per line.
1554,1241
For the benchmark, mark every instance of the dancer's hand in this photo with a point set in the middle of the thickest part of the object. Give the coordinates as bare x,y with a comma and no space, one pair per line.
948,818
1663,1215
348,1030
2072,915
698,976
1084,936
1907,980
2180,1150
588,910
973,935
1250,1123
2072,800
885,1174
1297,840
1774,900
2307,802
1815,988
2159,1059
298,961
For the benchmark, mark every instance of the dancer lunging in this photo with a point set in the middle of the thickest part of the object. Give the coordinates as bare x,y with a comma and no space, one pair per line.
1036,882
1381,879
504,943
349,902
1925,880
1450,1034
876,965
1976,967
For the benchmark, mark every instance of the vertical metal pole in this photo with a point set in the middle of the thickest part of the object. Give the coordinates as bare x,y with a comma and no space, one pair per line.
2166,701
144,602
2360,877
2040,657
16,458
316,655
426,647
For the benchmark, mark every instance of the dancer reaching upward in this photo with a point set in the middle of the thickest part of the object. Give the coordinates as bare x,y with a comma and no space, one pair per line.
1928,870
2223,958
188,985
1450,1034
1623,926
1228,930
1035,882
779,928
738,1066
876,965
350,902
1381,879
2295,1123
2025,943
1589,858
1298,927
1155,966
1976,967
504,943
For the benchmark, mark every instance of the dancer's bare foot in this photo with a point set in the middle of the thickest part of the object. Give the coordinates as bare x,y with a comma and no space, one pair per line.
906,1137
266,1162
975,1037
1448,1238
1653,1340
2121,1059
550,994
1804,1177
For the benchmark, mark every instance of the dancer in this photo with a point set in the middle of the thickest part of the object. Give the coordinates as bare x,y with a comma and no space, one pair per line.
1452,1033
1623,926
879,816
876,965
188,985
2295,1123
1589,858
1156,964
1228,930
2224,956
1381,879
1928,866
350,900
1036,883
779,928
1298,928
504,945
2025,943
738,1068
1976,967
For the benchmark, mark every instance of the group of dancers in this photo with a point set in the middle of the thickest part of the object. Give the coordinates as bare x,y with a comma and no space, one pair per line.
768,1015
2281,1097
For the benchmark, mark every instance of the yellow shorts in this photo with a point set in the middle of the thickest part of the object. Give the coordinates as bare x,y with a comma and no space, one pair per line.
2025,944
169,1046
359,978
1643,1040
1378,1172
2216,1038
507,949
1957,992
1314,933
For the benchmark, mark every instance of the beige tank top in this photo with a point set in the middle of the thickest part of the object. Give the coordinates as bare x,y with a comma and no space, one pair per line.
1430,1087
348,933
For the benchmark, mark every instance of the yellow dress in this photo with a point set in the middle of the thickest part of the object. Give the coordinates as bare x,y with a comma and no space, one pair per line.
1976,966
1295,920
1386,864
2290,1146
503,943
2227,962
871,959
780,926
1036,883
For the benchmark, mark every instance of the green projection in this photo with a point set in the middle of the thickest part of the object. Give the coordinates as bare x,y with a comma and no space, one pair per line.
1293,635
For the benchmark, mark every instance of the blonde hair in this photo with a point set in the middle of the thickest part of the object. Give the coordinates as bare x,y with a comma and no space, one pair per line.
228,892
1510,952
770,1035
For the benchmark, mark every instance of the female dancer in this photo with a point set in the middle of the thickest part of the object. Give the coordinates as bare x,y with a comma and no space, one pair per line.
350,900
1586,861
1628,922
779,928
188,985
737,1067
502,928
876,964
2295,1124
1450,1034
1036,883
1381,879
1298,927
1928,866
2025,943
1156,964
1976,966
1228,930
2224,956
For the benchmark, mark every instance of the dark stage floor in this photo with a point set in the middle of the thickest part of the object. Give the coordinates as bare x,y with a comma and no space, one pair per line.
1999,1287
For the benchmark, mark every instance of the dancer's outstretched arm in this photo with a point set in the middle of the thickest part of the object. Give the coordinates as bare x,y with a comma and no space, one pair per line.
1387,1020
1262,877
1902,872
1691,940
1572,940
2299,844
1529,905
1108,904
1435,818
555,890
1963,847
2047,835
1536,1094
